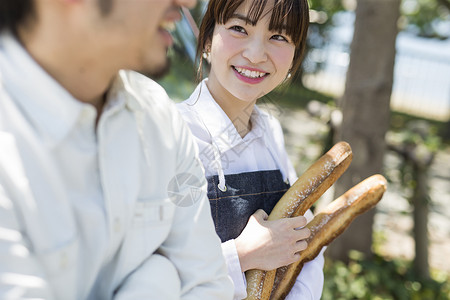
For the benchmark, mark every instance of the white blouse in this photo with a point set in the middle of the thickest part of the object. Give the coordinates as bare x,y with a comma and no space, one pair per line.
223,152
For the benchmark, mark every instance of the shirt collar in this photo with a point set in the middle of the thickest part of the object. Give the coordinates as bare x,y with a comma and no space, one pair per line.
127,89
215,120
50,108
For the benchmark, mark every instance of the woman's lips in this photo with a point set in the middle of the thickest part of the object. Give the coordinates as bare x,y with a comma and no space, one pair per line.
249,75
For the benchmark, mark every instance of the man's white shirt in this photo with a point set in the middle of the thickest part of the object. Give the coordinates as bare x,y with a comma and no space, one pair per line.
87,211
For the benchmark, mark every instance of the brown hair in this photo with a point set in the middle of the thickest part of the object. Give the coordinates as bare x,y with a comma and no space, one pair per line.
14,13
290,14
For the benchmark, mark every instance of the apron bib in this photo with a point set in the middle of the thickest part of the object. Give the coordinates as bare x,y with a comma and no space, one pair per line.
245,194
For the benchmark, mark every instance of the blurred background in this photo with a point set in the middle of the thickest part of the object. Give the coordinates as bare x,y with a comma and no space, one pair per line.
377,75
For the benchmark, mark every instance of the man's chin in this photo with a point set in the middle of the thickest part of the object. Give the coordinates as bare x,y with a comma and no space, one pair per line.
157,72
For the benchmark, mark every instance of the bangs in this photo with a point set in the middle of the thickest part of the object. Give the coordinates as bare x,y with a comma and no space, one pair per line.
289,15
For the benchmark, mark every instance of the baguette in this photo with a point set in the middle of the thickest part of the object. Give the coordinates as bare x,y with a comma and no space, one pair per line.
329,224
296,201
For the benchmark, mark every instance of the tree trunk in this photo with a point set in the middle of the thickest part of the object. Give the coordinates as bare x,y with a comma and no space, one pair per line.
420,216
365,109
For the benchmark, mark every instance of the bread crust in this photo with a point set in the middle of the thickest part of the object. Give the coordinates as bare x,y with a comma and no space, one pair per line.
296,201
328,224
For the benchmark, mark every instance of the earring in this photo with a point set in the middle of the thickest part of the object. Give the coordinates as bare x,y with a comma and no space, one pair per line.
206,52
288,76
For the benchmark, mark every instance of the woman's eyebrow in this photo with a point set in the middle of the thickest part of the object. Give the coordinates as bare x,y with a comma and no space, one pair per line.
248,21
242,17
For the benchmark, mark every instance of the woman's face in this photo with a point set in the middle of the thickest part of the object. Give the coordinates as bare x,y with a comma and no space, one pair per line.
248,61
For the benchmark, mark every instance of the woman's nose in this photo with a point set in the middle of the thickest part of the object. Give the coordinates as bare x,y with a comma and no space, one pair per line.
255,50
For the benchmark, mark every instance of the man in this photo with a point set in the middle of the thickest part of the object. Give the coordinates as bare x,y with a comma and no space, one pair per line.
93,159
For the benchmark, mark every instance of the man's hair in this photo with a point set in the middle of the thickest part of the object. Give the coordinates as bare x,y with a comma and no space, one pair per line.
14,12
293,15
105,6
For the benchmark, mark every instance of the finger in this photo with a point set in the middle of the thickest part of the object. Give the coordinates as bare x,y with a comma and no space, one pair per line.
301,245
260,215
292,259
296,256
302,234
298,222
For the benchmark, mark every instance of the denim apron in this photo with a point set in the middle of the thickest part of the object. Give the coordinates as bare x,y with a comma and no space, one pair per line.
245,193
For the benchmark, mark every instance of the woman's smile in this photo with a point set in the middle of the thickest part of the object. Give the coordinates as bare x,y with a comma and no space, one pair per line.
250,75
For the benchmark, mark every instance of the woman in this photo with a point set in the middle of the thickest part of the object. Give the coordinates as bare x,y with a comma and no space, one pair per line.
252,47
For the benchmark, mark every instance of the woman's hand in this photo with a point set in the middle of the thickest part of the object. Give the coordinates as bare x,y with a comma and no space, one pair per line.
267,245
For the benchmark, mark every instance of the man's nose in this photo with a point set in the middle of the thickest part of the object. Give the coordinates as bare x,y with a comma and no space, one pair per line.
186,3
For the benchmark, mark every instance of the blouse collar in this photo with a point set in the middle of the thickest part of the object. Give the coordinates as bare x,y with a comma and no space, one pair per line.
218,124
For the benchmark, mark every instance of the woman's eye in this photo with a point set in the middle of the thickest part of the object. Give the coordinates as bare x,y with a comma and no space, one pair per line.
279,37
238,28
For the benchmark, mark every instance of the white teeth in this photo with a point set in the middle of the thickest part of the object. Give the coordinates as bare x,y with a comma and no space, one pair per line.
167,25
248,73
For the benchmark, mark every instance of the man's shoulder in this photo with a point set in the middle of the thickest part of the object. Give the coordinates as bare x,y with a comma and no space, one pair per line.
147,94
143,86
150,100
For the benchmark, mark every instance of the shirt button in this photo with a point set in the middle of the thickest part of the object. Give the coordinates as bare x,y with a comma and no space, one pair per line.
64,260
117,226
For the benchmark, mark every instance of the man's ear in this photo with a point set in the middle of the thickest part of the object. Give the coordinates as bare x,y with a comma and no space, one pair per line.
69,1
65,2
